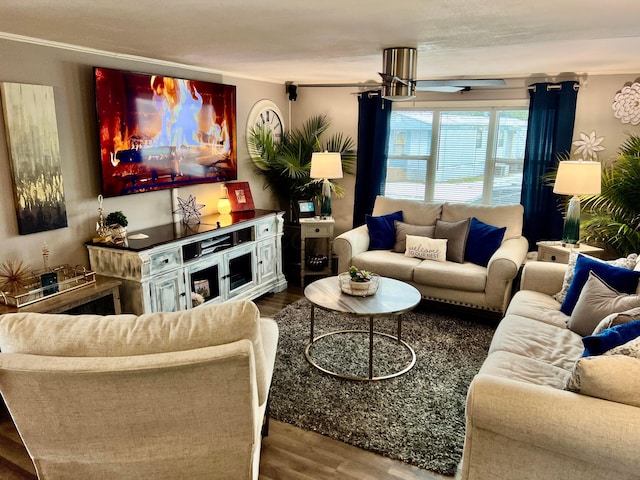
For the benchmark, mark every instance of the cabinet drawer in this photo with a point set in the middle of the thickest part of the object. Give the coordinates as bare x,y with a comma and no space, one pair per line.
166,260
311,231
545,255
266,228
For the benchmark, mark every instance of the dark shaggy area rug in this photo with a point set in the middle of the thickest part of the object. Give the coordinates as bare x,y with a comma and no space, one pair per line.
418,417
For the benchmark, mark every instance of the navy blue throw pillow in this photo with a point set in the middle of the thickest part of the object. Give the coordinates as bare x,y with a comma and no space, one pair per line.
382,230
621,279
610,338
482,242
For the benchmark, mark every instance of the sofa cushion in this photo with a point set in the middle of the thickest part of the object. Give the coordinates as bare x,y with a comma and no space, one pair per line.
456,276
387,263
482,242
537,306
382,230
426,248
414,212
125,335
524,369
597,300
622,279
509,216
403,229
615,378
550,344
624,262
456,234
610,338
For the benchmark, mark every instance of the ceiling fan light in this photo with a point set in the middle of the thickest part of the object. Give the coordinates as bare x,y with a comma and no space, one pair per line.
398,92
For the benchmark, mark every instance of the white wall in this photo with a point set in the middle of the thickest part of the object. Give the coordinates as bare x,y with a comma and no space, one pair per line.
71,75
593,112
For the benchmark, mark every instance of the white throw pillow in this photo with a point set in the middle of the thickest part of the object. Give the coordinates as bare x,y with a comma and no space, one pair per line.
426,248
617,318
630,349
624,262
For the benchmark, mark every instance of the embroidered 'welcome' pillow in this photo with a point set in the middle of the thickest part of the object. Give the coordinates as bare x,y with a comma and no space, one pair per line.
426,248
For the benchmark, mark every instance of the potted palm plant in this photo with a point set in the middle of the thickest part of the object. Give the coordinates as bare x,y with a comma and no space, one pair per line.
613,216
286,164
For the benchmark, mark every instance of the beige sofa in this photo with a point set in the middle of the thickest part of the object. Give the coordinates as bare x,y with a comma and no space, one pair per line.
465,283
522,424
162,396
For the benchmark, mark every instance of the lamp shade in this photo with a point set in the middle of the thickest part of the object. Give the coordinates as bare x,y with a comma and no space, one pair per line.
576,177
326,165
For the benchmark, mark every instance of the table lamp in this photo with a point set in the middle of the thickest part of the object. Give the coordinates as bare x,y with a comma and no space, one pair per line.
326,165
224,204
576,177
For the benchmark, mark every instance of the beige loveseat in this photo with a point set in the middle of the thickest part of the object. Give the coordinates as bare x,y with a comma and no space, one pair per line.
465,283
522,424
156,396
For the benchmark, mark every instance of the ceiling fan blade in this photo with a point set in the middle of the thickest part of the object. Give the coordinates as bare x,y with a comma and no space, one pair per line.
392,78
458,84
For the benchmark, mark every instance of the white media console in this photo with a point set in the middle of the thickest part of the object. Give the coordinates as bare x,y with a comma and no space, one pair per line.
174,267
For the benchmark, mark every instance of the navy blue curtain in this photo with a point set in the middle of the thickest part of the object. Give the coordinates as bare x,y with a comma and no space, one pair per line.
552,112
374,115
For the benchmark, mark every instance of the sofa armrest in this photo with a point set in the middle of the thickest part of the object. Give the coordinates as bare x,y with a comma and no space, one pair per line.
543,277
349,244
593,430
502,268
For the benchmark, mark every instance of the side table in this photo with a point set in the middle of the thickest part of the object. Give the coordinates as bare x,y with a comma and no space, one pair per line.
316,238
555,252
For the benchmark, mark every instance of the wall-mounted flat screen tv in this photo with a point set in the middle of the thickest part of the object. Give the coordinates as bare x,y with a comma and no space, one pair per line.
160,132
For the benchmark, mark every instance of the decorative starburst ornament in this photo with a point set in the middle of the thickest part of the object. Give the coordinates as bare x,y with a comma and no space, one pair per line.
189,210
588,146
14,276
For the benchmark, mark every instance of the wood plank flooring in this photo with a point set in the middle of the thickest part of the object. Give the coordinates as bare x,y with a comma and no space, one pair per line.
288,453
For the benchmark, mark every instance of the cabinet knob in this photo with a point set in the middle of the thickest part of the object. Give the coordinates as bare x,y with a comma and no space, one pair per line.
553,258
166,260
317,230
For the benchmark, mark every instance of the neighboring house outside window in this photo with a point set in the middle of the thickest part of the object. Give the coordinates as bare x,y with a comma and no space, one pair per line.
472,155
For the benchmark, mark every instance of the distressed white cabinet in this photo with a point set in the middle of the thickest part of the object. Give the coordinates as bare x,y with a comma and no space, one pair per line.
176,267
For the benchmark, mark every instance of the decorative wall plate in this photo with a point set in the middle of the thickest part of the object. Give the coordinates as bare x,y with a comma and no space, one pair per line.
626,104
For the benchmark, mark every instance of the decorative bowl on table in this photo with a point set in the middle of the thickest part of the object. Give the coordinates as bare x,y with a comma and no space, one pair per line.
359,289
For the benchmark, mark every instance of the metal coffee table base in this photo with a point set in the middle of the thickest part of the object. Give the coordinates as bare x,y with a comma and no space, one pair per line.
371,333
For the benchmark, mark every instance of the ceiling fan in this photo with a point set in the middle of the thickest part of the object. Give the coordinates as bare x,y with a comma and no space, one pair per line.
399,81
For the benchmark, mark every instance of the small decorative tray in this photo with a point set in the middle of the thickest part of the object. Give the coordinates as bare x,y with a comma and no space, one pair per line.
359,289
48,283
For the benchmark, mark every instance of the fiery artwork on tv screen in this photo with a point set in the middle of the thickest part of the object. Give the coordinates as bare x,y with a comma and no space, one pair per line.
160,132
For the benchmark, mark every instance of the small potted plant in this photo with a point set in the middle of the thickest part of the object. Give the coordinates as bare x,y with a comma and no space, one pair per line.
359,278
117,222
117,218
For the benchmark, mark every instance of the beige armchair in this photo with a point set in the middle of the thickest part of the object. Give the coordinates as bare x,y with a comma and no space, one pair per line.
162,396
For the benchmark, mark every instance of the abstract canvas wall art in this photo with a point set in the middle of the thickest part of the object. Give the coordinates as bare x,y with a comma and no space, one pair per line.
34,155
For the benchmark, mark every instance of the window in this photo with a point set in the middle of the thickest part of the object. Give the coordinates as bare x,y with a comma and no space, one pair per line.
457,155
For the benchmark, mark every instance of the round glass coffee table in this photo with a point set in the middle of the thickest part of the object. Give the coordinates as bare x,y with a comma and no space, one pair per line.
393,298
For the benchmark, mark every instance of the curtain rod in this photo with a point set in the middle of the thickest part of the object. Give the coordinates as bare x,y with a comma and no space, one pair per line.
555,86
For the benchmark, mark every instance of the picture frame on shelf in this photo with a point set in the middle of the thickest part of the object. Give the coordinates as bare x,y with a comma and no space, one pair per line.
240,196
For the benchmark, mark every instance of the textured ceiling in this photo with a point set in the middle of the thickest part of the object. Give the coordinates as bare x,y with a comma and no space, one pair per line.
341,40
